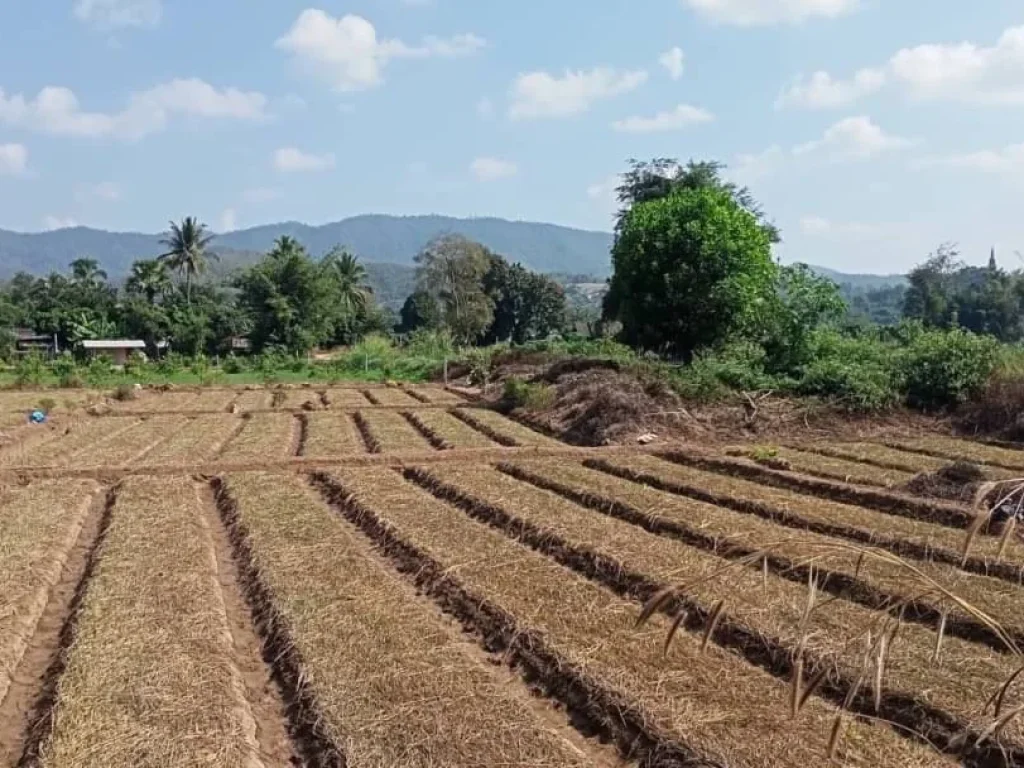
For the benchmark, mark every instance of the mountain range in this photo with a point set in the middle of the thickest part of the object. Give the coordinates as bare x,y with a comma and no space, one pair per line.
387,244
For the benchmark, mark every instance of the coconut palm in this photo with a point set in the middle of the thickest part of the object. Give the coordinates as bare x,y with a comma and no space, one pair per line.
148,278
186,254
353,294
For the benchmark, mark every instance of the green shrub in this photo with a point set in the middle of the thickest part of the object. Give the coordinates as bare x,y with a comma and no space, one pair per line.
857,386
66,370
941,369
714,374
30,370
124,392
99,370
523,394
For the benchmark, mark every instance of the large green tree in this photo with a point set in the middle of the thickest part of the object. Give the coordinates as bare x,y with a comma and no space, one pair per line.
451,269
187,253
527,305
689,268
148,278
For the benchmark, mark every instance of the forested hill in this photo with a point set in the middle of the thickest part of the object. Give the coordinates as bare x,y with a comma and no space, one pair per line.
374,238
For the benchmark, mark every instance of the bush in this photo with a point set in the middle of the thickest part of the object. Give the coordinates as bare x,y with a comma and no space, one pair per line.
943,369
523,394
66,370
99,370
124,392
859,387
30,370
738,366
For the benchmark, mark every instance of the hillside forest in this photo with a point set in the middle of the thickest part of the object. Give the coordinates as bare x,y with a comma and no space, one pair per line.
695,297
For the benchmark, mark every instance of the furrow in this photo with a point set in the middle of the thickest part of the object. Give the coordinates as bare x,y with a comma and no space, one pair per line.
659,708
393,433
426,432
763,614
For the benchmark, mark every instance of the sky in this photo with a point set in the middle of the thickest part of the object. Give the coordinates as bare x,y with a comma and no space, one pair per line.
871,131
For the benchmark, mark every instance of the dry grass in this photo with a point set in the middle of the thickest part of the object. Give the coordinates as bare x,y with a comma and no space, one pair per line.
213,400
332,434
394,396
455,433
961,682
721,708
513,431
393,432
75,437
887,457
155,401
396,685
866,521
266,437
39,524
124,448
345,397
253,400
295,399
437,395
952,449
23,402
735,531
820,465
150,679
198,441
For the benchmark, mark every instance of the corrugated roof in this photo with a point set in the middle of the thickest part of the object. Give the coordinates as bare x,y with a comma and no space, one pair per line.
113,344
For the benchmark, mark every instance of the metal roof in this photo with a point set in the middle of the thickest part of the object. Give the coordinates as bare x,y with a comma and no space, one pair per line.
113,344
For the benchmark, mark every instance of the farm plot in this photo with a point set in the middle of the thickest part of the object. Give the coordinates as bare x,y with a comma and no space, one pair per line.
689,705
887,457
265,437
150,678
345,397
434,395
390,683
874,581
390,396
755,604
918,538
213,400
294,399
253,400
332,434
448,430
389,432
156,402
952,449
62,443
502,430
820,465
39,524
23,402
198,441
122,448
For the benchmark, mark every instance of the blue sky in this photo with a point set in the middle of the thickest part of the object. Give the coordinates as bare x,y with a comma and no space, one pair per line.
871,131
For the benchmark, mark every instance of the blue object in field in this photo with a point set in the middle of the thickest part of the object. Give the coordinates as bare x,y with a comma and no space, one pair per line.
37,417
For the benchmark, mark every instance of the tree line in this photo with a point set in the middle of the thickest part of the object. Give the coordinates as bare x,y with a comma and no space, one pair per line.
286,302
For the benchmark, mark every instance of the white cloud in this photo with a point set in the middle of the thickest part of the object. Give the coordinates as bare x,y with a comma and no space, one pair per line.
107,191
674,61
492,168
348,54
258,195
56,110
605,190
292,160
673,120
751,167
115,14
854,138
51,222
13,159
1009,159
962,72
540,94
821,91
228,220
757,12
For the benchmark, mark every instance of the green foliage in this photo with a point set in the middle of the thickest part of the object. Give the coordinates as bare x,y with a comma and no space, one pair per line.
523,394
30,370
186,254
99,370
526,305
942,370
713,374
690,269
66,370
452,270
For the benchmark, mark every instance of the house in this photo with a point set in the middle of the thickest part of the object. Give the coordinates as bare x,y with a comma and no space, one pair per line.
117,350
27,341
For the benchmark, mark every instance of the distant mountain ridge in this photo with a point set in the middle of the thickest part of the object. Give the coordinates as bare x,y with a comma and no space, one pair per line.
388,241
374,238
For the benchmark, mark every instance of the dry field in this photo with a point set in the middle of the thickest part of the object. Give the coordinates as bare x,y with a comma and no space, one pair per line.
373,577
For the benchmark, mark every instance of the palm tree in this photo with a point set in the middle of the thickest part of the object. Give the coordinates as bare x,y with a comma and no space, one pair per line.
353,292
186,254
86,271
149,278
